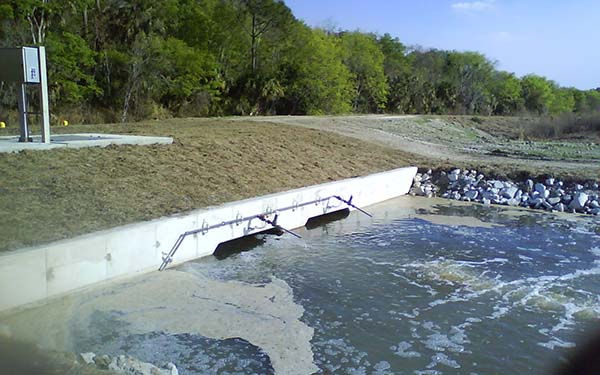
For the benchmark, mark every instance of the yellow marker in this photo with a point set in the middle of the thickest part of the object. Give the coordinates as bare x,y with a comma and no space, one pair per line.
2,124
65,123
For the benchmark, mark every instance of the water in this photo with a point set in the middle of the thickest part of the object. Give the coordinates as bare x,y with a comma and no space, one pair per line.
427,287
404,295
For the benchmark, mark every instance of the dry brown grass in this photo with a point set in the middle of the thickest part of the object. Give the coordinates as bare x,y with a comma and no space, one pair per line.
52,195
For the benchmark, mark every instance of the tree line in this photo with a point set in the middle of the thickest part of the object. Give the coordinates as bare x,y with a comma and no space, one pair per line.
134,59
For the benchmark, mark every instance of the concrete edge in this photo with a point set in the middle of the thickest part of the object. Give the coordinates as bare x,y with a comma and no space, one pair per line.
59,268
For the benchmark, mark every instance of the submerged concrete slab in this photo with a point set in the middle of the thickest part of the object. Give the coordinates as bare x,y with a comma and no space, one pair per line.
12,144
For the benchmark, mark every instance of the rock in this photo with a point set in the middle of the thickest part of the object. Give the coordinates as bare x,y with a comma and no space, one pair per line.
471,194
418,178
567,198
540,188
553,200
550,181
513,202
102,362
498,184
594,204
579,201
453,177
509,192
172,368
560,207
529,185
87,358
595,211
578,187
546,205
486,201
537,202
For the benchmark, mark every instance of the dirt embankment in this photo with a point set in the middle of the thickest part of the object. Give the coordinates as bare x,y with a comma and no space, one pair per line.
57,194
493,145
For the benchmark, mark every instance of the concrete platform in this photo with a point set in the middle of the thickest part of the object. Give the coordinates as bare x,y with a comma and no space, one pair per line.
12,144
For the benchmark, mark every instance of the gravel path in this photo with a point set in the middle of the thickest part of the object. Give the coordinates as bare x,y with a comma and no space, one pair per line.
449,142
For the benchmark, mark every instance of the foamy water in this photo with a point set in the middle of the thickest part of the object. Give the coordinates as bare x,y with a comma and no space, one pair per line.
405,295
478,290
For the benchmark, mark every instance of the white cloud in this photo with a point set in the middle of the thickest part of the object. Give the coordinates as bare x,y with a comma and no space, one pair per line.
474,5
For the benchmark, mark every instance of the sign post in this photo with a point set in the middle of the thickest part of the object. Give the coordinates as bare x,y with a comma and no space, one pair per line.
27,66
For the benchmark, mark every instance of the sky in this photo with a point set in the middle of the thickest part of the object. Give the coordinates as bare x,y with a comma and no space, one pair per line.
558,39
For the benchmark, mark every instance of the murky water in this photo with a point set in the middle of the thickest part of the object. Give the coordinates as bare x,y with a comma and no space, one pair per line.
423,288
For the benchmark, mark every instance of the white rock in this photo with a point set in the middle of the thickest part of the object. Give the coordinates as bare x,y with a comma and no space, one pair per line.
554,200
579,201
471,194
529,184
540,188
509,192
87,358
550,181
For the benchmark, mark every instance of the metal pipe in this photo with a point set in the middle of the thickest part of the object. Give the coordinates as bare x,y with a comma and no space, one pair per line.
168,258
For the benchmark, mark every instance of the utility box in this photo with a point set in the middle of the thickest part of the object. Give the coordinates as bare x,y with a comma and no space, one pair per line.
27,66
20,65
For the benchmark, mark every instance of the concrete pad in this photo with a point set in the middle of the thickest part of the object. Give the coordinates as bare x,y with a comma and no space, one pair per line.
80,140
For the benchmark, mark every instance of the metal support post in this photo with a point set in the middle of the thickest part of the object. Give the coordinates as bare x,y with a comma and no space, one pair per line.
22,99
45,112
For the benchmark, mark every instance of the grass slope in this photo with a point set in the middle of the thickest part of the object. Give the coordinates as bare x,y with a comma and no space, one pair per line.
57,194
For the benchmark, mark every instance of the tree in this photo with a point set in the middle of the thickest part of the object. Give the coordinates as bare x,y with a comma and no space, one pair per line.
364,59
507,94
70,71
562,101
317,81
263,15
537,93
470,73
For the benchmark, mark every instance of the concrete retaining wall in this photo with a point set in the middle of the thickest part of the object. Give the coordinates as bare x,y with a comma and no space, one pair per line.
34,274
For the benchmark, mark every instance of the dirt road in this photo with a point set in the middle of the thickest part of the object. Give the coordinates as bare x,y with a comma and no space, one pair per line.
454,141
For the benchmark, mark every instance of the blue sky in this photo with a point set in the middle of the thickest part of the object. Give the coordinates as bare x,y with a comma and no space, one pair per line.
554,38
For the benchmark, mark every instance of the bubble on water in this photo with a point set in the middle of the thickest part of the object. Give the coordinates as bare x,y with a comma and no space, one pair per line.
401,350
381,368
556,343
439,342
442,359
427,372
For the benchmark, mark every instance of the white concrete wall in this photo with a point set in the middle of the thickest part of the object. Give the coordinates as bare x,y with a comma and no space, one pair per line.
34,274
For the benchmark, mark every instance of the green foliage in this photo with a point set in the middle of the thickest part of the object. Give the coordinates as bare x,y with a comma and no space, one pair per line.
507,94
69,69
319,83
364,59
137,59
537,94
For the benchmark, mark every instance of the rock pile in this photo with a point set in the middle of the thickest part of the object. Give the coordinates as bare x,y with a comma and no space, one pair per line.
127,365
470,186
